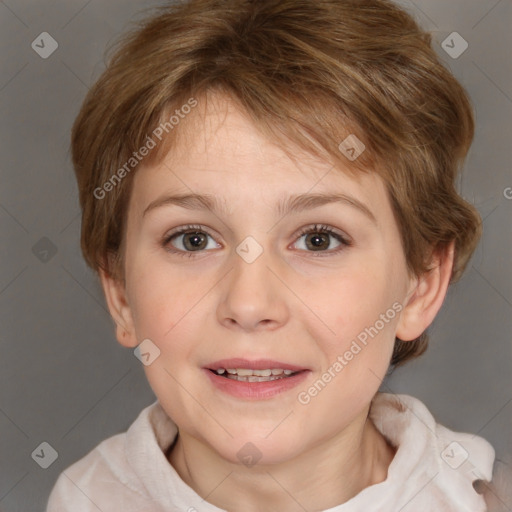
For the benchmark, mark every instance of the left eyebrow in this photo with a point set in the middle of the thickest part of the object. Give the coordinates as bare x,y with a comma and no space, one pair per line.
303,202
296,203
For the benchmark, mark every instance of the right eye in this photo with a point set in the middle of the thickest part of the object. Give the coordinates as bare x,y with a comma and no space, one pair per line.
189,239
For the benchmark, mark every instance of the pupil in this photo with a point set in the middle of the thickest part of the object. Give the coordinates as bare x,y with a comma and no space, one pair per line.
316,241
194,241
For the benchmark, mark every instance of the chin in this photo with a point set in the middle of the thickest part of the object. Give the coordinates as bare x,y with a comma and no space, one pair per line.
256,450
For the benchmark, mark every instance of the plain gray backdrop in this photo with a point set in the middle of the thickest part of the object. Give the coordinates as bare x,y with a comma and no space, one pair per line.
64,378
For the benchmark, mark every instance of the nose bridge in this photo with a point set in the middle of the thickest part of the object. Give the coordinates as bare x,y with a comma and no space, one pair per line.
253,273
250,275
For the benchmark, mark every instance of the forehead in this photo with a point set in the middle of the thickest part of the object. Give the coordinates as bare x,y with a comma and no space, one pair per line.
219,150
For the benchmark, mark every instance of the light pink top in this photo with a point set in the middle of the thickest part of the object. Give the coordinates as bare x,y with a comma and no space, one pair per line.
432,470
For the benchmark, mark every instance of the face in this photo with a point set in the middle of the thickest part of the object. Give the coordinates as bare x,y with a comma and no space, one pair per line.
273,263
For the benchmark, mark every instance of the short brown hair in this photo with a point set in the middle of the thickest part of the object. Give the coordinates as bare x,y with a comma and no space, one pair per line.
309,72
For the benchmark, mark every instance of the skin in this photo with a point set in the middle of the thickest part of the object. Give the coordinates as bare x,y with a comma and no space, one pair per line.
291,304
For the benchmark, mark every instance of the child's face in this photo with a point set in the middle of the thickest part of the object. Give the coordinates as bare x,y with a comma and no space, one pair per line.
291,305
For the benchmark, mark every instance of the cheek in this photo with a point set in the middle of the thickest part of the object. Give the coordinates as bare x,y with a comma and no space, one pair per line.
355,298
167,309
361,308
162,301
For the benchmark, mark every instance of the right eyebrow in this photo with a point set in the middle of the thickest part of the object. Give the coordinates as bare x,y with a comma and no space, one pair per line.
189,201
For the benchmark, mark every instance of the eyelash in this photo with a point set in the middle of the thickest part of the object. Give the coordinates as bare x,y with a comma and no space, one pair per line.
345,242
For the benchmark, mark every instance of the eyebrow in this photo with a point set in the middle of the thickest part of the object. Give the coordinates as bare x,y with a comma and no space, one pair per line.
296,203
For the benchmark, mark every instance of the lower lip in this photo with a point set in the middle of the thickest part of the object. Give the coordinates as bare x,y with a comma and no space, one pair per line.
255,390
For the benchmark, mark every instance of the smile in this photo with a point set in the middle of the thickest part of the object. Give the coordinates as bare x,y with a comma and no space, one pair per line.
256,379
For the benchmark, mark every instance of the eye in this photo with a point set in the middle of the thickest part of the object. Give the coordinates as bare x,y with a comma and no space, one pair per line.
189,239
321,239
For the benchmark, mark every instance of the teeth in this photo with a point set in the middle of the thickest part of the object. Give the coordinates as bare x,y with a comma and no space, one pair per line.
244,372
249,375
241,372
255,378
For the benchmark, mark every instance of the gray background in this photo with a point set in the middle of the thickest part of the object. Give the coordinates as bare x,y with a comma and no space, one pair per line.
63,377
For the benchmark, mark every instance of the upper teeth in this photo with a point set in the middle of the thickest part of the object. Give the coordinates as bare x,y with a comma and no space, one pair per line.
242,372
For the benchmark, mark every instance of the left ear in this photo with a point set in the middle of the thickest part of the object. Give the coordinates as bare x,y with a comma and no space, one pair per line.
426,295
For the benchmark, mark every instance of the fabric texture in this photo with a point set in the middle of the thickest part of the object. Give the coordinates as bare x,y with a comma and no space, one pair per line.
433,469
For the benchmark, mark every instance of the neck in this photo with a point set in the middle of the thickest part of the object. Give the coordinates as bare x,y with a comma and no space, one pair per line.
343,467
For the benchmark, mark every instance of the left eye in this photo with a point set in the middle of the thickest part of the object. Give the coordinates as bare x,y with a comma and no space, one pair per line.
320,239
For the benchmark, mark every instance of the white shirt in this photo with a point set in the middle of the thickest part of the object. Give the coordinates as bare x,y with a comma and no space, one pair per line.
432,470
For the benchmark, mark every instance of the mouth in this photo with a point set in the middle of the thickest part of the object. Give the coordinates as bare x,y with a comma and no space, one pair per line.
260,379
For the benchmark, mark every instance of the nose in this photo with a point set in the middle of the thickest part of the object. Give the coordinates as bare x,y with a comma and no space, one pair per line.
252,298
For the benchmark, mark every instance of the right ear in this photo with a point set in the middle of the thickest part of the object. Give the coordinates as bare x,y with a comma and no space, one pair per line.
115,295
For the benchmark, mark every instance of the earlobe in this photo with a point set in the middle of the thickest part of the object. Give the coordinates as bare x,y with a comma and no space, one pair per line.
115,295
426,296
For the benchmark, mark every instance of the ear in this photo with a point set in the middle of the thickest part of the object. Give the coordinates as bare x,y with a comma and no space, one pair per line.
115,295
426,295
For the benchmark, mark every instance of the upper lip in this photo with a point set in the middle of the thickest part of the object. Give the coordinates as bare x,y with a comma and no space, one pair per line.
258,364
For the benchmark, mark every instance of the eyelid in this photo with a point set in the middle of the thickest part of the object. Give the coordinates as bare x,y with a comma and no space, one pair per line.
323,228
188,227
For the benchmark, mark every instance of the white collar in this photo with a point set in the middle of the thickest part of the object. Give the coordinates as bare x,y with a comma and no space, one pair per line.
432,470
